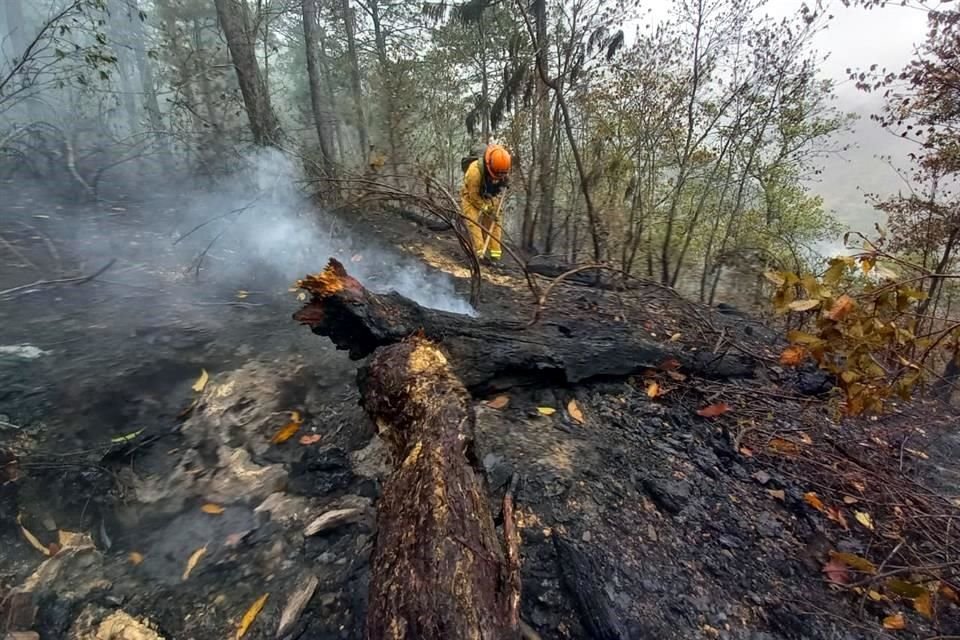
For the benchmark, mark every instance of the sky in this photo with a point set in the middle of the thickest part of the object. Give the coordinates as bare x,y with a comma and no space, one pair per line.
856,38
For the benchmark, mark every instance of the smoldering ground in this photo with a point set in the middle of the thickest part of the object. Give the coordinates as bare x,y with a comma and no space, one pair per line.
248,235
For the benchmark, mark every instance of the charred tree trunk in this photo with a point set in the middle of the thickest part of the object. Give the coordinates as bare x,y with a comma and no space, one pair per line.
438,570
495,354
235,21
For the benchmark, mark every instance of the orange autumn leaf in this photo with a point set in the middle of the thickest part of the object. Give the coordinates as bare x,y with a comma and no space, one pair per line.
212,509
784,447
653,389
289,429
895,622
923,605
713,410
135,558
792,356
500,402
574,410
814,501
841,308
949,593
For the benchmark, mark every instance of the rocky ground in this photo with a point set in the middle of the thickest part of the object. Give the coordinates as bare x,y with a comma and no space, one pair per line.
141,501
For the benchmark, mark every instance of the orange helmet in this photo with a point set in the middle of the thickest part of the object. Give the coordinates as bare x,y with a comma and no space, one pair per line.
497,161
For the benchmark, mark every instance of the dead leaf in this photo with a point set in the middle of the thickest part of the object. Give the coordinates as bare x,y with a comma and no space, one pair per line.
201,382
784,447
746,452
135,558
500,402
792,356
32,539
546,411
212,509
949,593
905,589
850,500
803,305
875,595
777,494
836,572
761,476
312,438
895,622
670,364
288,429
676,376
193,561
837,516
854,561
250,616
575,412
924,605
713,410
813,500
864,518
841,308
676,337
653,389
804,438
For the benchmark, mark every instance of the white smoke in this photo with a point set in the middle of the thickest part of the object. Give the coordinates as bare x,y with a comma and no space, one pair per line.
269,230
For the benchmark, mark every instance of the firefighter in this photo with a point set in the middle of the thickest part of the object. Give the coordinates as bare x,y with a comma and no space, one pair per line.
481,198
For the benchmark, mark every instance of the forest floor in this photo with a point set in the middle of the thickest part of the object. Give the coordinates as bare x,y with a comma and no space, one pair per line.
135,492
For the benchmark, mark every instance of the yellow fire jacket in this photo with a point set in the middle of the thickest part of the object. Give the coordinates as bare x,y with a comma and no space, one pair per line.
473,196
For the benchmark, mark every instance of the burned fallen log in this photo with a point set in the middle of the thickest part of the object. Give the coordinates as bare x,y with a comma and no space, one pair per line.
438,570
491,354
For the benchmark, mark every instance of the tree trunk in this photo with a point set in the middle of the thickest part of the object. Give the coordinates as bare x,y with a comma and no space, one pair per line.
529,224
310,37
120,34
484,83
435,530
330,96
235,21
145,68
546,123
355,86
495,354
387,83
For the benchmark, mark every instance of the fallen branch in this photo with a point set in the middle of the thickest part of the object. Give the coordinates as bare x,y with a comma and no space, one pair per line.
58,281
